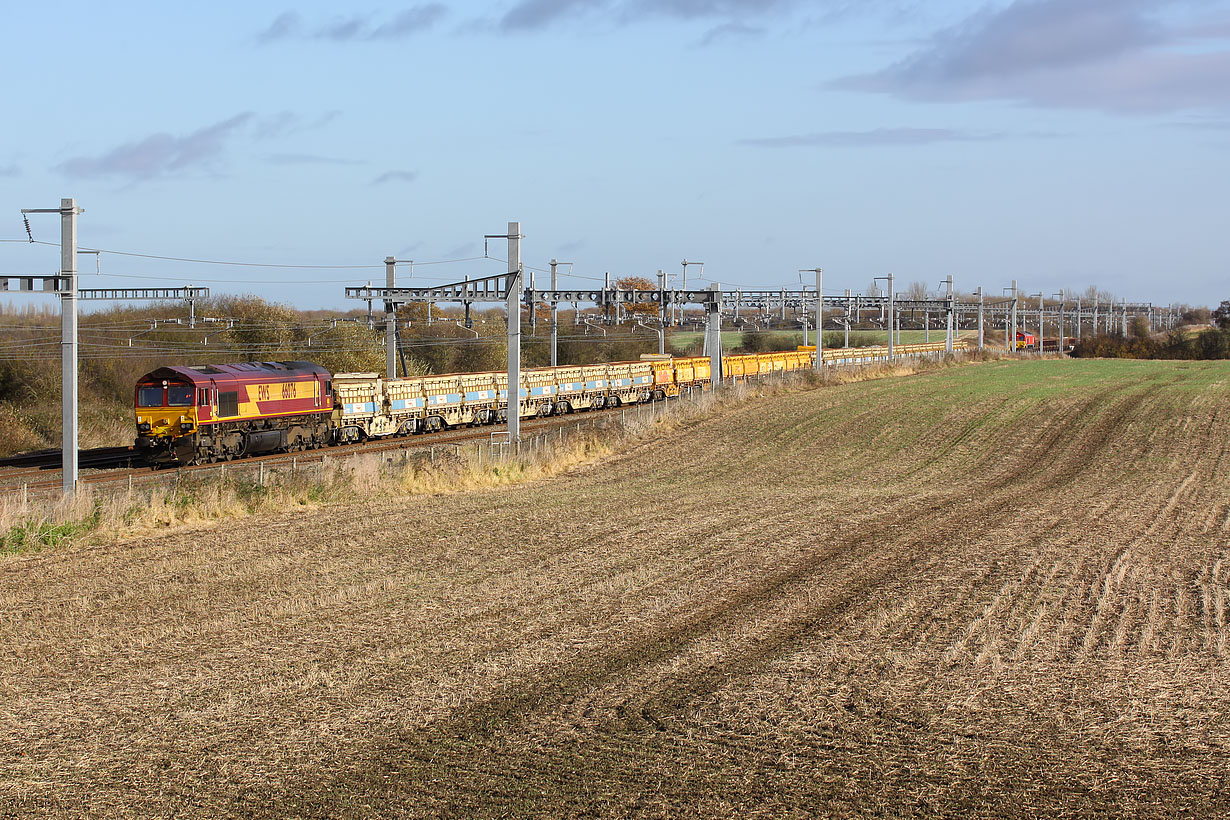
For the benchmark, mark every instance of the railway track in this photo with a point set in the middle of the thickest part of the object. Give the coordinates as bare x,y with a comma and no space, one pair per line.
115,466
98,458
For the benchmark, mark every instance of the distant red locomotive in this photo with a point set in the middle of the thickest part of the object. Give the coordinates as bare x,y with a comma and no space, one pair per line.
217,412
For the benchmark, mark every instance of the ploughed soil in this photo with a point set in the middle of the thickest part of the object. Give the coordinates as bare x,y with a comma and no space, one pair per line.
993,591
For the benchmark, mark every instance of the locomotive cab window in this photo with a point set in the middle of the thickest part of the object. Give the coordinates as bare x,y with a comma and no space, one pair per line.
179,395
149,396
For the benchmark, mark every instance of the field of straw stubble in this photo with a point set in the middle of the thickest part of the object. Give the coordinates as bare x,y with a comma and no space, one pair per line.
995,591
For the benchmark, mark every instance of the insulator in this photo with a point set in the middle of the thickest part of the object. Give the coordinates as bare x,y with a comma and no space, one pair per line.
29,233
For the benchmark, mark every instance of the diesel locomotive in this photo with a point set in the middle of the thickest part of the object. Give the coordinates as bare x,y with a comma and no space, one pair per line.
218,412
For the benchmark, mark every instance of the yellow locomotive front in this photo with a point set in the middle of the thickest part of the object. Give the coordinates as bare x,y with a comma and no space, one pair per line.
167,419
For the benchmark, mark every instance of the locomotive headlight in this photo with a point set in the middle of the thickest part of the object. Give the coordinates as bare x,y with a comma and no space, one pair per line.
143,427
185,426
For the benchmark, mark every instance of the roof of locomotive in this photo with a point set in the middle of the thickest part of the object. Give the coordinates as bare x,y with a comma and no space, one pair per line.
240,370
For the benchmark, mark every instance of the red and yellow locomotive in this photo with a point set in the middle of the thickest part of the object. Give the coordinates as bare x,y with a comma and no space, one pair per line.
217,412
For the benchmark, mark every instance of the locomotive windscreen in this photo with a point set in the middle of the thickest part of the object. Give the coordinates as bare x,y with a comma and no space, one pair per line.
155,395
179,395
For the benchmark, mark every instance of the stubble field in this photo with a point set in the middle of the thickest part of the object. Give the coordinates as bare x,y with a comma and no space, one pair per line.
994,591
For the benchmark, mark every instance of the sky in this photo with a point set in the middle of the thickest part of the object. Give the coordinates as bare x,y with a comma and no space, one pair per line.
1061,143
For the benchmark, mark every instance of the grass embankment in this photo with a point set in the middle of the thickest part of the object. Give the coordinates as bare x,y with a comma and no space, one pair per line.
994,591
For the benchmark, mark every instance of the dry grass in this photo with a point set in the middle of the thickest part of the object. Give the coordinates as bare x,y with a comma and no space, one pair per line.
993,591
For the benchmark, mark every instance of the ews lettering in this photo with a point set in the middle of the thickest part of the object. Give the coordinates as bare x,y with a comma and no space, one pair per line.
265,392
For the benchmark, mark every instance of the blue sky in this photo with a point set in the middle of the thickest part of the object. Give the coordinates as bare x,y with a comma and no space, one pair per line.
1064,143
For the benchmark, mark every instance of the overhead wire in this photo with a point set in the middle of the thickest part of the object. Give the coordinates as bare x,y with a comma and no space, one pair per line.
290,266
548,270
233,263
100,342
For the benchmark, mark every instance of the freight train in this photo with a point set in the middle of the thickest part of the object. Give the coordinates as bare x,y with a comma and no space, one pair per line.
219,412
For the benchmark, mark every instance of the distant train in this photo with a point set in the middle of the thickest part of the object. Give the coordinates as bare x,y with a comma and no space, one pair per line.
219,412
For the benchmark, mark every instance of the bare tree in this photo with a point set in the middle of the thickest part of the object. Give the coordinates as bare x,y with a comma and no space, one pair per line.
1221,316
